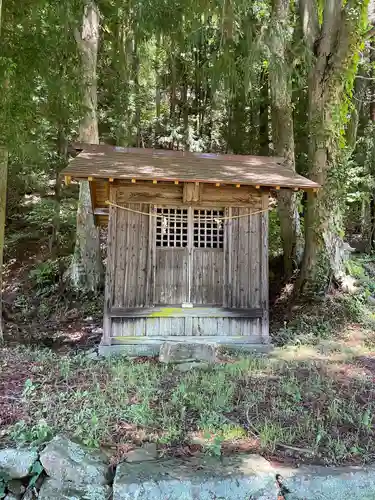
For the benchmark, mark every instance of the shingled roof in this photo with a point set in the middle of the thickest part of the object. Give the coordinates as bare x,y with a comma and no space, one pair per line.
103,162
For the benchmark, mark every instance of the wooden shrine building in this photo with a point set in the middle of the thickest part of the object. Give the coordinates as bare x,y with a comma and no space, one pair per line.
187,256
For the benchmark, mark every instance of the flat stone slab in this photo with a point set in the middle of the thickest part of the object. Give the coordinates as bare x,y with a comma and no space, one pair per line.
16,463
238,478
181,352
146,453
53,489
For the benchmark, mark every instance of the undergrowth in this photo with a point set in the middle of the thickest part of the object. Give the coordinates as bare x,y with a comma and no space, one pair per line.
306,399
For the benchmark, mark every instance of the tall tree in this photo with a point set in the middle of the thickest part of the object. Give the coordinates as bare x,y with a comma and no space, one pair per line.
87,267
283,129
3,191
332,32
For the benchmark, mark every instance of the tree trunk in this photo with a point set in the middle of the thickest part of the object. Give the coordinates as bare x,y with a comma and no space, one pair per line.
264,141
87,266
137,113
157,93
371,238
3,193
334,43
62,161
283,133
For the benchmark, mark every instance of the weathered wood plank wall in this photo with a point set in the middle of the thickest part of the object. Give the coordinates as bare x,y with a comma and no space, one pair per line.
207,276
132,263
171,276
140,275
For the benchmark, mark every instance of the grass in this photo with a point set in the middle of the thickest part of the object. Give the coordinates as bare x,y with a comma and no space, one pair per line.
313,399
320,398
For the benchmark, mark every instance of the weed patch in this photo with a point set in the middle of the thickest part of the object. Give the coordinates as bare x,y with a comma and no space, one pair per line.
317,400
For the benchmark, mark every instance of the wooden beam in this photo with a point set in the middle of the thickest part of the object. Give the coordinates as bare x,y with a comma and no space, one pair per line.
189,339
101,211
67,180
181,312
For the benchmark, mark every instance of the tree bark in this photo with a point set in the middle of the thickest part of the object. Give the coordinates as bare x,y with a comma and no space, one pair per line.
333,45
283,133
264,142
87,266
3,193
3,203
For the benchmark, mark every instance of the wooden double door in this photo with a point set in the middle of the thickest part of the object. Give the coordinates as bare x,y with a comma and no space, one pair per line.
189,256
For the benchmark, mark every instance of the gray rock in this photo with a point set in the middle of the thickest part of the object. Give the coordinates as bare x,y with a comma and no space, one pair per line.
177,352
371,301
67,461
191,365
17,463
10,496
242,477
92,355
97,330
53,489
16,487
28,495
146,453
349,285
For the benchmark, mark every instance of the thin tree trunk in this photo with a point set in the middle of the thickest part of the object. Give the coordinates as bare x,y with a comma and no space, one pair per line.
137,114
3,193
264,149
87,266
157,93
1,10
3,204
283,134
371,238
62,148
185,111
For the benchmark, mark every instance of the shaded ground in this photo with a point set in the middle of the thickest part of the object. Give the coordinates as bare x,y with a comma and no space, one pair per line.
304,404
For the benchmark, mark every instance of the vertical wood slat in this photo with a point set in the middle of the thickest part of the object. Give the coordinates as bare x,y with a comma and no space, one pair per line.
264,271
137,255
255,262
150,274
110,268
121,256
132,266
235,299
242,282
207,276
171,279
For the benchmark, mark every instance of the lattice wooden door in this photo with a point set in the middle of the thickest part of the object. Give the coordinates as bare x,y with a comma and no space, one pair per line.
189,265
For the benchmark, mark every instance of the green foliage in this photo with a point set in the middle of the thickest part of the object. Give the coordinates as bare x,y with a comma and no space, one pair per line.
274,235
46,274
35,434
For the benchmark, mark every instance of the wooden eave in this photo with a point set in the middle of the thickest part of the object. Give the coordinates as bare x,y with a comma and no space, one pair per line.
156,165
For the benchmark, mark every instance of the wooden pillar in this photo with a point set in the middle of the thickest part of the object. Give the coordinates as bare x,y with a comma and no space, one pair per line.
110,271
